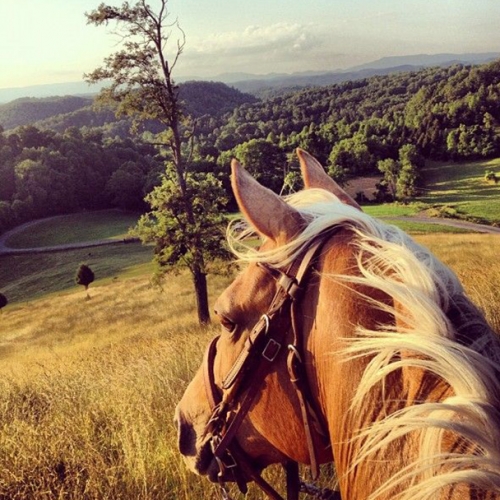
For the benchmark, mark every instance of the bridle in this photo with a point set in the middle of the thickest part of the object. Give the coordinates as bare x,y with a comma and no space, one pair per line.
231,402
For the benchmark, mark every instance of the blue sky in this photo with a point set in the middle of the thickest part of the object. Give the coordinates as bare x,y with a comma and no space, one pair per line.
48,41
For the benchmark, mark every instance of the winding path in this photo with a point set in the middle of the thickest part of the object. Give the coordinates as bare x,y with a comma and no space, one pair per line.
478,228
6,250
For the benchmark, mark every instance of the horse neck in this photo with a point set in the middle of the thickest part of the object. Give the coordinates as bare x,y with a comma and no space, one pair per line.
335,383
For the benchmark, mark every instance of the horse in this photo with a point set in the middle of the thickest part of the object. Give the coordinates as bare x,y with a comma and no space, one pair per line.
343,340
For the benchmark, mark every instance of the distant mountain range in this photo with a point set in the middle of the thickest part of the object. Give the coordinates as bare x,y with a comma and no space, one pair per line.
252,83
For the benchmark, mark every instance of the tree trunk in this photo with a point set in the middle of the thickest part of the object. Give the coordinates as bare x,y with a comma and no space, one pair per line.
201,292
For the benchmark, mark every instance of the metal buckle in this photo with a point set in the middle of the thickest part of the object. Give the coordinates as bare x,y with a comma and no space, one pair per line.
265,317
271,350
295,351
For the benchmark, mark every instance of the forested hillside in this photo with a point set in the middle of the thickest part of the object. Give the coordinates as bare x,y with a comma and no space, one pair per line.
60,113
29,110
43,173
386,125
445,112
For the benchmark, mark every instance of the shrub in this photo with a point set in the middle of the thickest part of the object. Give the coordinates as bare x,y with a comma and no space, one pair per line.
84,276
490,176
3,301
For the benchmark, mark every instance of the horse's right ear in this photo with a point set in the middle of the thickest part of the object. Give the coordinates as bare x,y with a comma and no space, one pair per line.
268,214
315,176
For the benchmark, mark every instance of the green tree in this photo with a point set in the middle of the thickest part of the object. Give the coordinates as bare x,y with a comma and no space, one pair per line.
409,175
142,87
167,225
84,276
352,155
390,168
264,160
401,176
3,301
125,186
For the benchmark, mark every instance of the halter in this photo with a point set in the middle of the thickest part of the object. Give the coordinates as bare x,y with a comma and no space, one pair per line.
231,402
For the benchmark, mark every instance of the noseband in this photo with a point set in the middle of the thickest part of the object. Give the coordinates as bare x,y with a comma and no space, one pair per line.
231,402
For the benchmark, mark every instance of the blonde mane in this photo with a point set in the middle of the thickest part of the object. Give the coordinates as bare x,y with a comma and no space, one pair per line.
443,334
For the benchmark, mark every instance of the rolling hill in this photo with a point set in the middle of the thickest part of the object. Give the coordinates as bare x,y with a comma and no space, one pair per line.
59,113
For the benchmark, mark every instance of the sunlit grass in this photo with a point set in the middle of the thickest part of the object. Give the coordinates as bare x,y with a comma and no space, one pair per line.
88,391
463,186
415,228
393,209
89,387
458,185
476,261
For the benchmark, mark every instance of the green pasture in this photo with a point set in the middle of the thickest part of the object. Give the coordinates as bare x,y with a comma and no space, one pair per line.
75,228
393,209
415,228
457,190
462,186
28,276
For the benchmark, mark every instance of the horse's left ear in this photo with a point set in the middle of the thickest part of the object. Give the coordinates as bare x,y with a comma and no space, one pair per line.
270,215
315,176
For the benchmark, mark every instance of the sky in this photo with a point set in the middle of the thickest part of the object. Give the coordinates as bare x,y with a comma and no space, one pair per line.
49,41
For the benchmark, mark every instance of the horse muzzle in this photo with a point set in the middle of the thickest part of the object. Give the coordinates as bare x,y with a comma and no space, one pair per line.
195,451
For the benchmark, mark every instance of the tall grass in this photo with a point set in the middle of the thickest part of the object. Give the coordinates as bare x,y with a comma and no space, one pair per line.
476,261
88,387
88,390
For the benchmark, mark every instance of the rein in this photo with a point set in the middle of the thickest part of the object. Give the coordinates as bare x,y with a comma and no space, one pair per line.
231,402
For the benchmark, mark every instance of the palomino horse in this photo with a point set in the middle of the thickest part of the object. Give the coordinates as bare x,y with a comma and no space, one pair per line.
391,369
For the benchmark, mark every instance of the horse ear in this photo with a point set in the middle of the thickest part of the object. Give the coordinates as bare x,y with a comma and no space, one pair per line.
264,209
315,176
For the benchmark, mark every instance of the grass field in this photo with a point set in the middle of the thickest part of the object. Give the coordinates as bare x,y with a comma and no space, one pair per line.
458,187
462,186
25,277
75,228
89,386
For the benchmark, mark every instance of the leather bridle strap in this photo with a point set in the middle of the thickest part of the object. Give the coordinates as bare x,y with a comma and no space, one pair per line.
259,352
236,452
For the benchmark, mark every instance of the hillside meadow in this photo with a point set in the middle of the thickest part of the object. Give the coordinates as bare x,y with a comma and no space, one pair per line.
463,188
88,387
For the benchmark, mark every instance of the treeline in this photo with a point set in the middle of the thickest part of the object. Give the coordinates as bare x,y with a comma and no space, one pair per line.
384,125
43,173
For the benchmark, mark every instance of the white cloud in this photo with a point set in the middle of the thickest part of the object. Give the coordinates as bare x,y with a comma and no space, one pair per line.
275,47
280,35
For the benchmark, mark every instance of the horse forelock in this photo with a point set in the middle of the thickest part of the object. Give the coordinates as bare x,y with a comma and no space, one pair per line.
439,331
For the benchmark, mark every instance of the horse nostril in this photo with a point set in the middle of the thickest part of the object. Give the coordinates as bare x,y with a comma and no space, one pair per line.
186,436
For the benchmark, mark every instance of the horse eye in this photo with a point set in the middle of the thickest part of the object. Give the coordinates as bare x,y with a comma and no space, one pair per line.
227,324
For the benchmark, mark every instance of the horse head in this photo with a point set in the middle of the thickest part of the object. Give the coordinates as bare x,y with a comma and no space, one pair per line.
332,333
240,307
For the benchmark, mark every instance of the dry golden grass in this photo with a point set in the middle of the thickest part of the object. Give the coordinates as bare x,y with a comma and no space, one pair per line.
88,391
475,258
88,387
